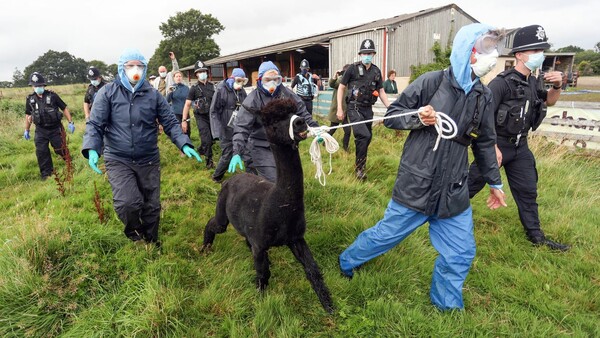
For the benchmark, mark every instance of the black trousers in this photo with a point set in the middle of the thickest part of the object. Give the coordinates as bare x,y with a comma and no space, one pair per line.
206,140
42,137
519,166
226,152
309,105
189,130
347,132
136,197
362,132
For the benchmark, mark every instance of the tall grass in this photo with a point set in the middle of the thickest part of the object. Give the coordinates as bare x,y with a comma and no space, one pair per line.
64,273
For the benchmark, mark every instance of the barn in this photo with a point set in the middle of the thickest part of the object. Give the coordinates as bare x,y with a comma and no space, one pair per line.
401,41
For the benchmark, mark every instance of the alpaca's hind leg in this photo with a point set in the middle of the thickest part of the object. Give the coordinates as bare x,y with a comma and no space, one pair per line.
261,265
313,274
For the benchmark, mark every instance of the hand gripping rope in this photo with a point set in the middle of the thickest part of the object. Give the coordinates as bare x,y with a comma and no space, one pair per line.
444,125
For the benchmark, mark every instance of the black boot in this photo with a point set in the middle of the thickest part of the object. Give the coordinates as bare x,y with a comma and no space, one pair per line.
210,164
539,241
361,173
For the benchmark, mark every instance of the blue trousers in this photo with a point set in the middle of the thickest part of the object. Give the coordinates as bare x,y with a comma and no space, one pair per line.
451,237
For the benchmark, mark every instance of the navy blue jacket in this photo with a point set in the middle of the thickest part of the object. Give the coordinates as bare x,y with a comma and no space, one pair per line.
435,183
177,98
224,103
125,124
248,126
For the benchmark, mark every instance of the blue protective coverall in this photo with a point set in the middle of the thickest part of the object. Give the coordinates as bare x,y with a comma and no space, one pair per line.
431,186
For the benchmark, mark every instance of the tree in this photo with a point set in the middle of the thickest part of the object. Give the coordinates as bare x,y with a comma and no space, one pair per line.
19,79
588,55
189,36
597,47
112,69
441,60
58,68
585,68
570,49
595,66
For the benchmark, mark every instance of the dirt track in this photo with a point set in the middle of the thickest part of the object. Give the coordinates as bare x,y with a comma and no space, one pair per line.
588,82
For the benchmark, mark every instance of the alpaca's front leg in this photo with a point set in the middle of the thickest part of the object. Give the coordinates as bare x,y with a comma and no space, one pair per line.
261,264
211,230
302,253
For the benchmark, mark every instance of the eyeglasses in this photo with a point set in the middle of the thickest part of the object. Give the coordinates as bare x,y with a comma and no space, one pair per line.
277,79
486,43
132,65
241,80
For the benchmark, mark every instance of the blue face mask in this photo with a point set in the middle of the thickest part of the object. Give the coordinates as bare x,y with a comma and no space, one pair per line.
366,59
95,83
304,71
38,90
535,61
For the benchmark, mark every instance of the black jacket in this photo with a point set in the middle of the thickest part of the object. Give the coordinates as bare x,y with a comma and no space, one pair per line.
248,125
125,123
435,183
224,102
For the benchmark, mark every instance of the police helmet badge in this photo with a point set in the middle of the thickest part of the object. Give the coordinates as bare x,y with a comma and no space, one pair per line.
367,44
34,78
91,72
541,33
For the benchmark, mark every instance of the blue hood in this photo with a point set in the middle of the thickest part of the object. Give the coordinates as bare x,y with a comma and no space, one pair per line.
128,55
237,72
262,69
460,59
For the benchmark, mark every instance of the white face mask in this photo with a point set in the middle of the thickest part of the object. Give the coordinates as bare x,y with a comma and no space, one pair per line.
237,86
270,86
163,74
134,74
202,76
485,63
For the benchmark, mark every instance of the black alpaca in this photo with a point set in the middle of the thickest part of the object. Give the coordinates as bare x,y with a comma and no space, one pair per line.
268,214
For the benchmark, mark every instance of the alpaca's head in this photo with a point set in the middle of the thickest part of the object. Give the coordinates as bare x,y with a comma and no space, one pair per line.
277,116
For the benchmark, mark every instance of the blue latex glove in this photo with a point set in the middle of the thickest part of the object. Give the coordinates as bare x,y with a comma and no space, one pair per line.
93,160
236,161
26,135
189,151
71,127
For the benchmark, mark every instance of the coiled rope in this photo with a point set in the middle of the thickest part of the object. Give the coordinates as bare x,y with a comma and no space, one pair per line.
444,125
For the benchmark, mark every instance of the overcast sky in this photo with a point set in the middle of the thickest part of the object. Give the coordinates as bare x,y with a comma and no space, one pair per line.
102,29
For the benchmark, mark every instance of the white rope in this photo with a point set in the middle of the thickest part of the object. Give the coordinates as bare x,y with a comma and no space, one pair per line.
444,125
331,145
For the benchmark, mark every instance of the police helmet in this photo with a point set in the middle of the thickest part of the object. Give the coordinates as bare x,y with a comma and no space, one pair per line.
36,79
304,64
93,73
199,66
367,46
530,38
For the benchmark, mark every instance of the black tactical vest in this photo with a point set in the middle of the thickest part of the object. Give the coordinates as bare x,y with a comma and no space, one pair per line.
523,110
361,88
44,110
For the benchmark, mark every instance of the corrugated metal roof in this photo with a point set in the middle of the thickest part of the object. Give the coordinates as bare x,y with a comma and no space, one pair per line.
325,37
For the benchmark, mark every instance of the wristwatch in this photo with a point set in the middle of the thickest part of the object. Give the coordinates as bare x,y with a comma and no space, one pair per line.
556,87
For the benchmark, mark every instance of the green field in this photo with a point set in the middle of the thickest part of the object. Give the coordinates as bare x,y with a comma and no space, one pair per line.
63,273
